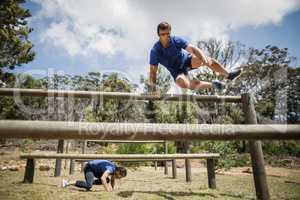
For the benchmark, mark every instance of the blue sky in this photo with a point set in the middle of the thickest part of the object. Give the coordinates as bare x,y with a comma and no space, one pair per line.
285,34
75,37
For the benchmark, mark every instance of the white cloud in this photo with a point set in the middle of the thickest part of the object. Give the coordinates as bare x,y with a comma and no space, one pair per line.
61,36
108,29
128,26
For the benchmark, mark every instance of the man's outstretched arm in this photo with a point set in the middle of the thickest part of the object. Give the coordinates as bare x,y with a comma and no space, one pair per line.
106,185
114,184
197,52
152,81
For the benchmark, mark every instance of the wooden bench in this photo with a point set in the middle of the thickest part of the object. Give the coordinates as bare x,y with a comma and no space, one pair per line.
210,159
164,142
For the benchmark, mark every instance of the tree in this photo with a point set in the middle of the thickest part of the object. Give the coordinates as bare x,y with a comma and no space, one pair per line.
116,110
293,106
229,54
266,74
15,48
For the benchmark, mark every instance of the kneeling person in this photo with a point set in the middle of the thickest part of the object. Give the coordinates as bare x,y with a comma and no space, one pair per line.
98,172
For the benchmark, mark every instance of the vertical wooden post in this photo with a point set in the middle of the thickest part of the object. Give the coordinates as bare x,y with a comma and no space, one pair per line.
210,162
155,162
67,142
166,162
60,149
84,144
188,177
72,167
72,163
174,170
256,152
188,173
29,171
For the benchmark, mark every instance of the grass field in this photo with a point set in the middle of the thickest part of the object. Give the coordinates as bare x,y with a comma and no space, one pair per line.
146,183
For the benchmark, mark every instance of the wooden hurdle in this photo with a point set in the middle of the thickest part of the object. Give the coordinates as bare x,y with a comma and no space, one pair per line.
59,130
210,157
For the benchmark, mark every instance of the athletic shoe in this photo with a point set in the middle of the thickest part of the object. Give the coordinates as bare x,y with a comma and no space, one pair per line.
218,84
64,183
234,74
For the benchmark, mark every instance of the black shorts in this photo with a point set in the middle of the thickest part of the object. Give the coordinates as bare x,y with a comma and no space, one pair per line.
187,66
188,62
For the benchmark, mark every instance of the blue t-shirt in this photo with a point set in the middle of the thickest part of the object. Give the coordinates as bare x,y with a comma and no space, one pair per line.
100,166
172,57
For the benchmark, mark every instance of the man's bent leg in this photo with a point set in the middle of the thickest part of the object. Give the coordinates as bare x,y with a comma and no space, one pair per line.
212,64
195,84
88,183
183,81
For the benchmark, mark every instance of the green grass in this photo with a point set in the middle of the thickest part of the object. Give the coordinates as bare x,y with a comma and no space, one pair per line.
146,183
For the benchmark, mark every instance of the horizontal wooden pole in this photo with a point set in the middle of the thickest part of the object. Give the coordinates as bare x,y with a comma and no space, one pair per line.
144,131
115,95
127,141
118,156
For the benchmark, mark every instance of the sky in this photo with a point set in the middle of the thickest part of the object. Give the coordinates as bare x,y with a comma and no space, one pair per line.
79,36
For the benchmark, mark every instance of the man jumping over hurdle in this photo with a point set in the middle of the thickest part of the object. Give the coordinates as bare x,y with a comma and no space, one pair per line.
97,172
179,56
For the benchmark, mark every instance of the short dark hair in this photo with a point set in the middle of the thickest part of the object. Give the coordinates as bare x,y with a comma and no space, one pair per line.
122,171
163,26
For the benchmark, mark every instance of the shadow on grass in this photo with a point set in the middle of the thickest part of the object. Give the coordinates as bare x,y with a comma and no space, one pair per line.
138,180
174,195
169,177
35,183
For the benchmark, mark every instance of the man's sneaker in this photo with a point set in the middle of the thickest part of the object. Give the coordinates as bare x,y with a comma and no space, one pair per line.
64,183
218,84
234,74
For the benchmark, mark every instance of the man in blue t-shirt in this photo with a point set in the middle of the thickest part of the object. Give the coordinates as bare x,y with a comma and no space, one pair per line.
98,172
179,56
